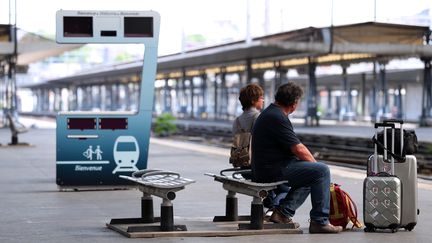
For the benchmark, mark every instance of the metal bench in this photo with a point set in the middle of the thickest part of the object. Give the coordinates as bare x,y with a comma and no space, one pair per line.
16,128
235,183
163,184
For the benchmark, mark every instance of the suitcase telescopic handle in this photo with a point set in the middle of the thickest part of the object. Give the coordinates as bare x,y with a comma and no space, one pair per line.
383,124
400,121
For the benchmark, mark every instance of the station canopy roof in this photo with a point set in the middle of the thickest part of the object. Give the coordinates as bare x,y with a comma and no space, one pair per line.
31,47
351,43
362,42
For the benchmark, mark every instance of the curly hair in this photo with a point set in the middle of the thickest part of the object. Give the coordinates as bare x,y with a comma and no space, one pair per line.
288,94
249,95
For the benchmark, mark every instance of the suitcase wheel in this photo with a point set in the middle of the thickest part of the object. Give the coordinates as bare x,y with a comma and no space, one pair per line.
369,229
394,230
410,227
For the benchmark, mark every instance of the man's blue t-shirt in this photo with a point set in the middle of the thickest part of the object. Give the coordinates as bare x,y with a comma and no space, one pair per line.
272,139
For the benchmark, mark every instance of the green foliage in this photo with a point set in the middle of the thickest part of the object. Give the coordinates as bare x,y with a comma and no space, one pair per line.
429,148
196,38
122,57
164,125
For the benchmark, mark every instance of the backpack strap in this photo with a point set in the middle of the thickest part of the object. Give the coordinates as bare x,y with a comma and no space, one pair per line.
352,211
239,128
380,145
255,118
334,188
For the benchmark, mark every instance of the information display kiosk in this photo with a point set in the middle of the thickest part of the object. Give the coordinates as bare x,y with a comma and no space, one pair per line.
94,148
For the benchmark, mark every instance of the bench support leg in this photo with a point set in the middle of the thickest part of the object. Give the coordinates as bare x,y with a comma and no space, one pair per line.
147,208
257,215
167,216
14,139
231,208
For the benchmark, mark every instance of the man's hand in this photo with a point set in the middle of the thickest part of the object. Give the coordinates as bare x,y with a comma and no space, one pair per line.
302,152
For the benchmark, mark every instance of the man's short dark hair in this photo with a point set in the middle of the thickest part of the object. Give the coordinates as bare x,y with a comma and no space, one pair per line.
250,94
288,94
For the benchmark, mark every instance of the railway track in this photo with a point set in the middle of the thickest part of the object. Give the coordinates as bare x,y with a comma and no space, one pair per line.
344,151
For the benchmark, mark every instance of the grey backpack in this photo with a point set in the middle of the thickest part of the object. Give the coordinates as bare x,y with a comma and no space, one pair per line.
240,149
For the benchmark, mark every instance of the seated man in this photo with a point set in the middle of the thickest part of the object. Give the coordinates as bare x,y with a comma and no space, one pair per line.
278,154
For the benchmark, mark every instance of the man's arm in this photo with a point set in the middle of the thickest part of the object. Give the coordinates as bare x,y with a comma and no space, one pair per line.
302,152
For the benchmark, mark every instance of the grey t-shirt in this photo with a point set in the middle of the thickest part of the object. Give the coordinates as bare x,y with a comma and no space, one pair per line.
245,121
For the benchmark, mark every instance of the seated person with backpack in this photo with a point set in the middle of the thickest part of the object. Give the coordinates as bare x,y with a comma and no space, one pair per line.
252,101
278,154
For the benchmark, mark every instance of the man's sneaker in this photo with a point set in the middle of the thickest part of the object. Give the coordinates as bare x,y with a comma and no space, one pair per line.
316,228
278,218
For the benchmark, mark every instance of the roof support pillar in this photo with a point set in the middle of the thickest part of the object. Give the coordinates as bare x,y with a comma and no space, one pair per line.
167,96
345,112
427,94
223,112
398,102
249,71
260,76
57,99
110,95
427,86
72,99
177,95
187,101
128,97
363,94
203,105
192,97
280,75
216,100
384,91
311,110
329,111
11,99
45,100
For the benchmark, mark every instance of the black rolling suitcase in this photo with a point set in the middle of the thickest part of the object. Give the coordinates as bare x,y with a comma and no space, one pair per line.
382,192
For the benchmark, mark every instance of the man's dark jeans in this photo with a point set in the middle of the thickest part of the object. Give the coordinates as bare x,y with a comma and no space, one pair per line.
305,177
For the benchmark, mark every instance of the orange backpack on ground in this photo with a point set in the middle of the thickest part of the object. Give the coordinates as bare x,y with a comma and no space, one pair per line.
342,208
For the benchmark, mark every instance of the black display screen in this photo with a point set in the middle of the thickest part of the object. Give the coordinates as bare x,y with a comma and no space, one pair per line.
138,27
78,26
113,123
81,123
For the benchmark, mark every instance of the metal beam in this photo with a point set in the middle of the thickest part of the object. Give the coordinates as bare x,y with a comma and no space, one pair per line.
343,48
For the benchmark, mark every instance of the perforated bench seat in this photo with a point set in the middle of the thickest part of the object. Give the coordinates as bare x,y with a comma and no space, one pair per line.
159,183
234,184
246,187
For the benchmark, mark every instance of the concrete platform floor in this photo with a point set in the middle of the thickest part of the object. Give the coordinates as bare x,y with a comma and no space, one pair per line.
32,209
